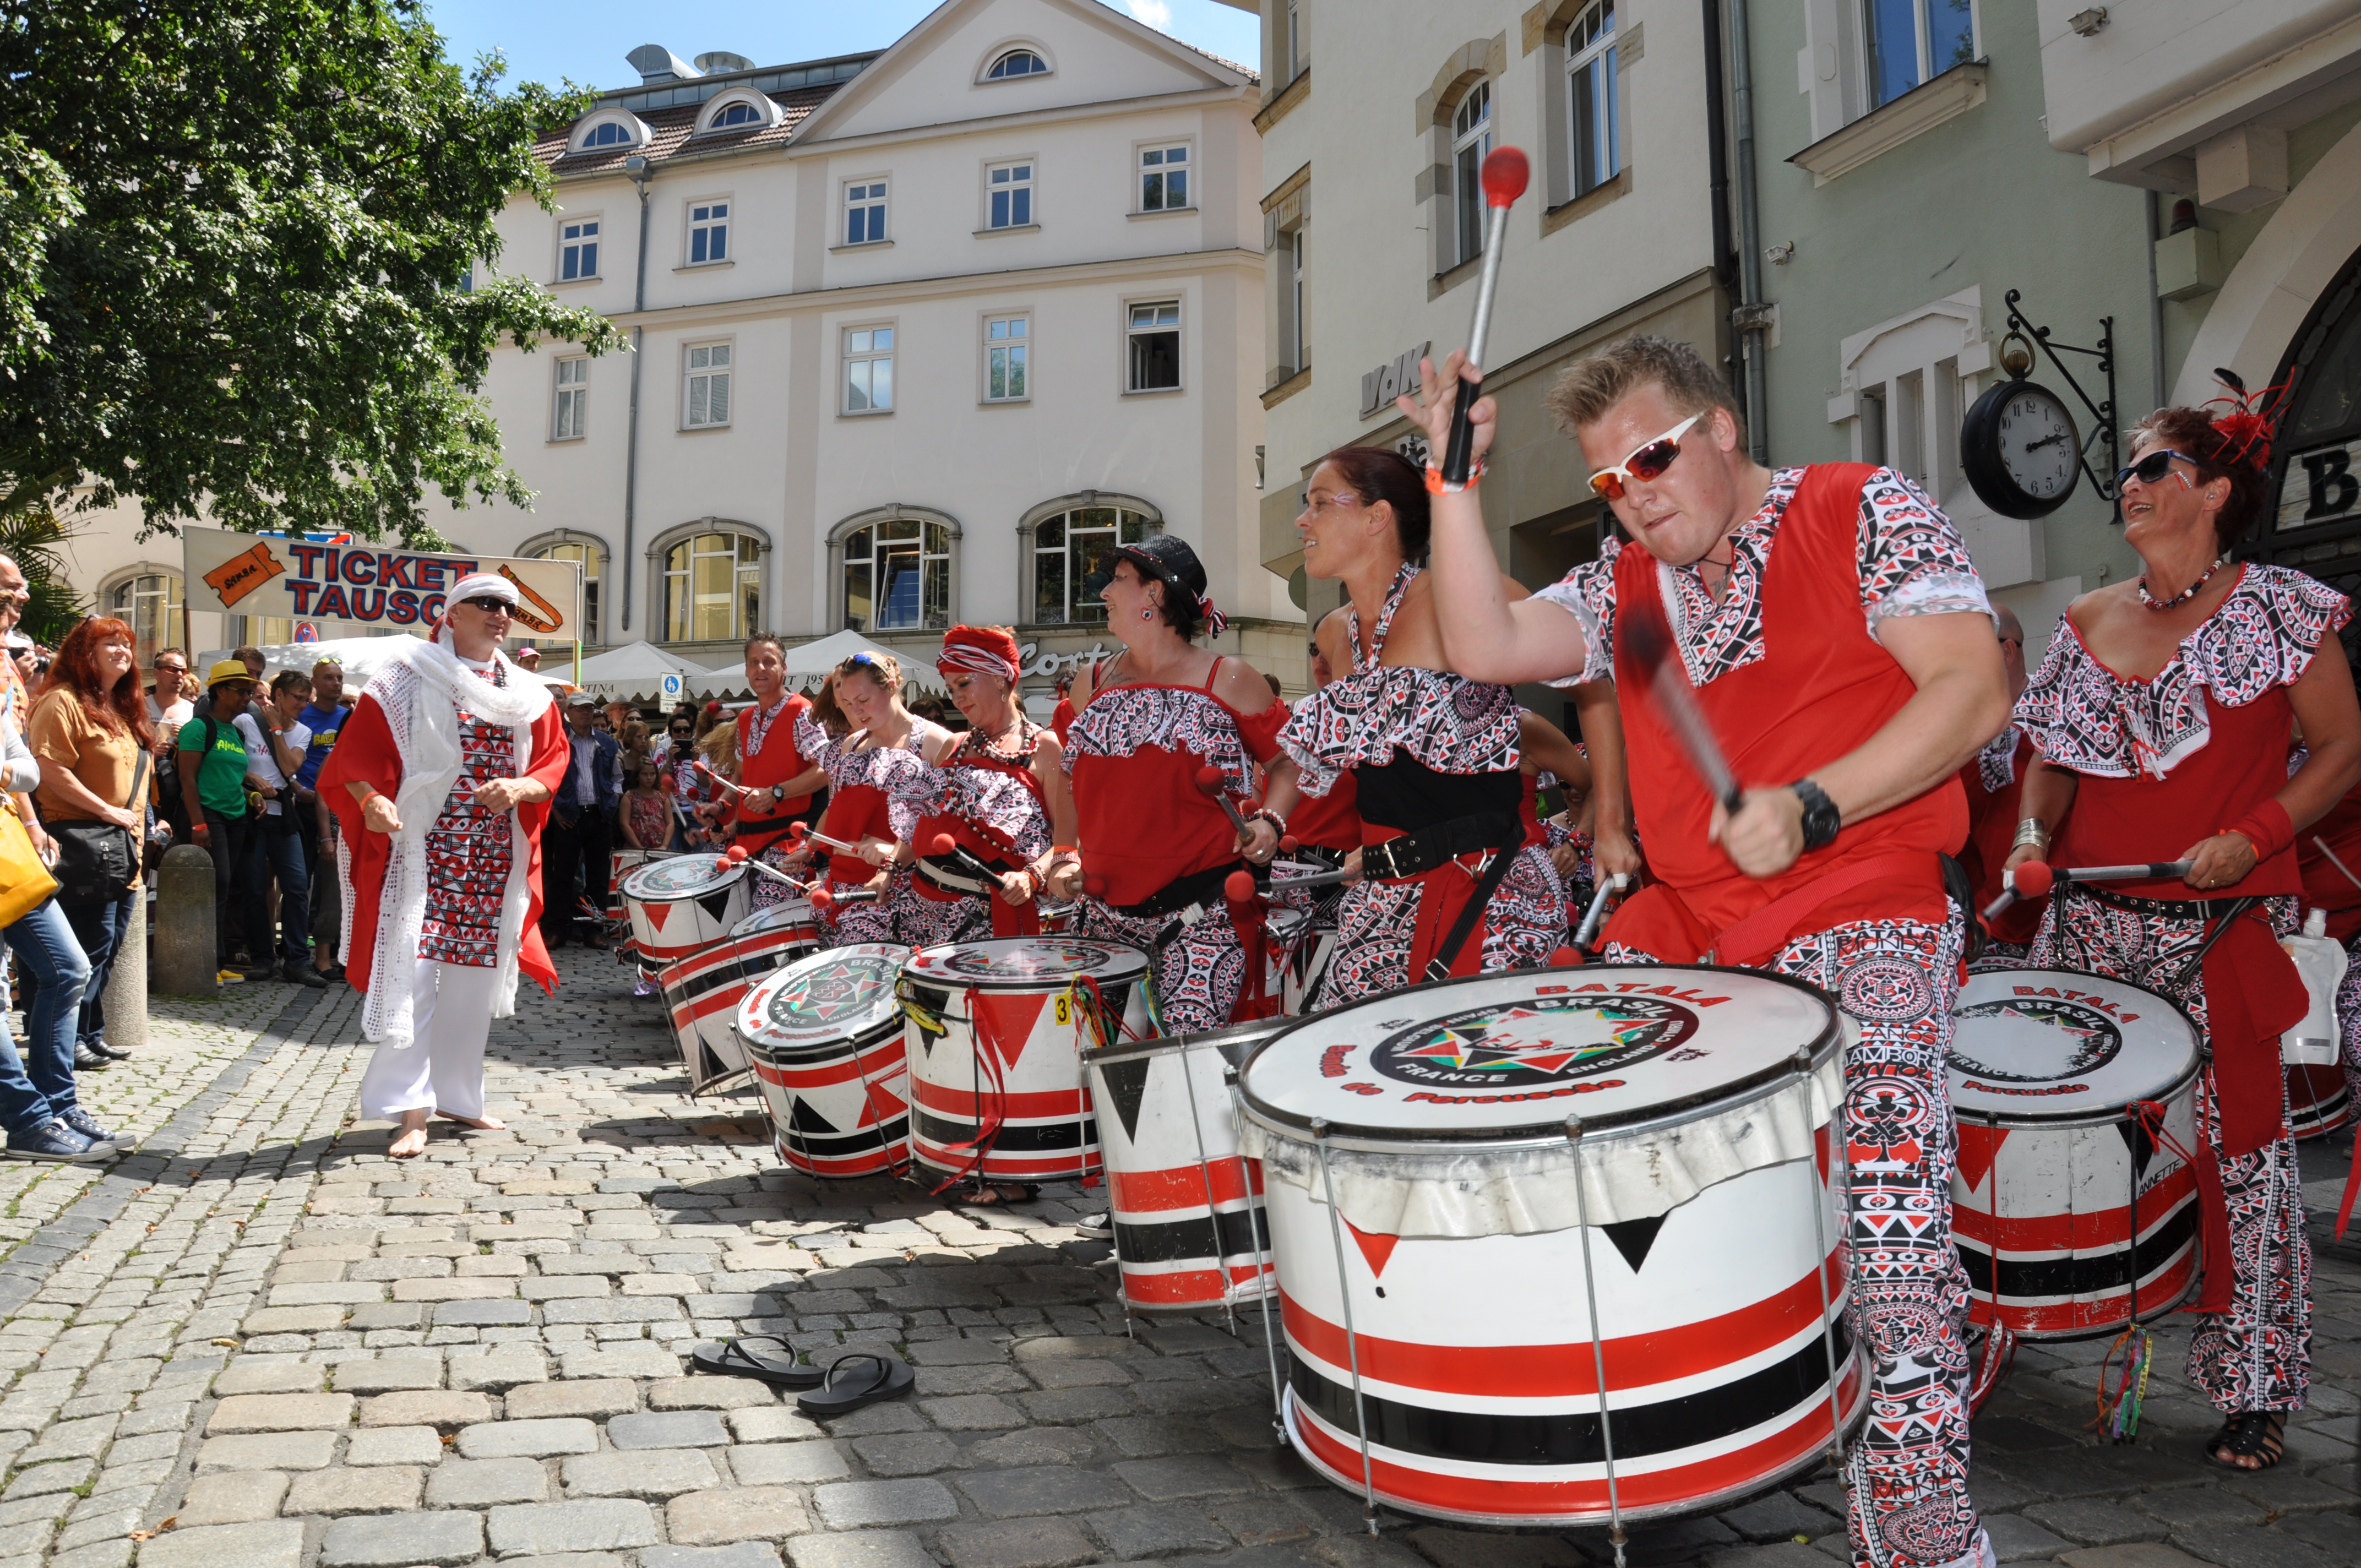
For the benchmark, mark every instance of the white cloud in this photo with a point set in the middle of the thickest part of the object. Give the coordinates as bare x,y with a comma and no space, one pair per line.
1155,13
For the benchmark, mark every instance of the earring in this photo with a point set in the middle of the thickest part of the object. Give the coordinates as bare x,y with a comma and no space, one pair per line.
1147,615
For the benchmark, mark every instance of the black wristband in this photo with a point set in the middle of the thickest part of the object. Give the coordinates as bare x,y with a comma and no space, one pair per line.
1822,821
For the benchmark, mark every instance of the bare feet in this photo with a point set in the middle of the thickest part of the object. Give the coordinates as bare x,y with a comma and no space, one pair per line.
411,1142
480,1123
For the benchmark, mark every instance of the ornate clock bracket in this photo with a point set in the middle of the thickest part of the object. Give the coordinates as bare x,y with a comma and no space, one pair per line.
2019,362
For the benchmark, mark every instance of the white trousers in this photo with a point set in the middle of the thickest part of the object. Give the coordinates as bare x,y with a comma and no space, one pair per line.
443,1068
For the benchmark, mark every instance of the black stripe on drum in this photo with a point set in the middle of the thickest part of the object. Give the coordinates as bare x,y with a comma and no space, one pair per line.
2092,1273
1486,1437
867,1139
1014,1137
1190,1240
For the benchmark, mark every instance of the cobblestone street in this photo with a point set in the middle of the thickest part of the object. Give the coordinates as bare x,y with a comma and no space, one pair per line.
259,1344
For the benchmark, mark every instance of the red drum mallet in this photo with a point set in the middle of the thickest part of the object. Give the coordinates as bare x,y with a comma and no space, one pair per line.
946,847
797,832
738,857
1210,780
721,782
1505,175
2034,878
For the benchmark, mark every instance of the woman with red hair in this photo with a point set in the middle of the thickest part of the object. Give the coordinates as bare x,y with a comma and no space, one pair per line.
2162,713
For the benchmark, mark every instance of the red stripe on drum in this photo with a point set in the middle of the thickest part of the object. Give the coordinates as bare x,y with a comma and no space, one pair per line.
1052,1105
842,1071
1183,1187
1549,1371
2099,1230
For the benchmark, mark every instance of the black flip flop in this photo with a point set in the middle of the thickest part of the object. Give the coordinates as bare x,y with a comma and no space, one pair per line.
732,1358
866,1378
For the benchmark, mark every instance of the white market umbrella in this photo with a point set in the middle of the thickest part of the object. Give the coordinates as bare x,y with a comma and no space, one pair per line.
634,672
808,663
361,657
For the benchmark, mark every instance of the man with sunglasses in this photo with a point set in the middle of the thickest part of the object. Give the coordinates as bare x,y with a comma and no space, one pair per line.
1840,645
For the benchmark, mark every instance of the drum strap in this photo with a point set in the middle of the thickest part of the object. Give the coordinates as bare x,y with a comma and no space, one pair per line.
1495,872
1203,889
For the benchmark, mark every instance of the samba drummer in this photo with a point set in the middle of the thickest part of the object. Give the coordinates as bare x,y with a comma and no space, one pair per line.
776,779
1448,884
1835,633
2189,748
1148,724
887,743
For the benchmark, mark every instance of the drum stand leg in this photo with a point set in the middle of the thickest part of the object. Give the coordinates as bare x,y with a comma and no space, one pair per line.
1352,1339
1212,1215
1840,1167
1597,1343
1255,1217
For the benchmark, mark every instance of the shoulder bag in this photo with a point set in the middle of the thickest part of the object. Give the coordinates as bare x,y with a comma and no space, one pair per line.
96,860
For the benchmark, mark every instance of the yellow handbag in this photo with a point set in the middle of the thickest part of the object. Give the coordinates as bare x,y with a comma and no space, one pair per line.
25,881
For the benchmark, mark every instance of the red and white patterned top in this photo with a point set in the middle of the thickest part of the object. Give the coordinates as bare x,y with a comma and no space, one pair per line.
470,849
982,787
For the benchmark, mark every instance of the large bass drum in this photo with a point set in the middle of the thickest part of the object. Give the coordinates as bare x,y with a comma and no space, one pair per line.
824,1038
702,990
1490,1197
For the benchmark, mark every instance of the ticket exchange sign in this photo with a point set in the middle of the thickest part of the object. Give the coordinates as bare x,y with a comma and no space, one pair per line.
245,573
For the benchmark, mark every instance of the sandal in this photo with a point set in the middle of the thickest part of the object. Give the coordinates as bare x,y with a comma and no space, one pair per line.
997,1194
857,1378
733,1358
2251,1434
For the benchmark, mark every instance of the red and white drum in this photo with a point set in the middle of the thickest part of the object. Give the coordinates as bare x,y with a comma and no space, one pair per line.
1189,1230
682,903
824,1038
1438,1236
2044,1064
626,862
2318,1101
996,1030
702,990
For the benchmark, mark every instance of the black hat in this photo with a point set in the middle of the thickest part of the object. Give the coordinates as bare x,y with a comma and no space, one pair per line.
1167,558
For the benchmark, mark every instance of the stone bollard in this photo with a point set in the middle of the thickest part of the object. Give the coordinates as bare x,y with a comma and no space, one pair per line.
184,924
126,984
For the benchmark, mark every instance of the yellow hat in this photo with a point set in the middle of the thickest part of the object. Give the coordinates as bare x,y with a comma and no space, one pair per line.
227,670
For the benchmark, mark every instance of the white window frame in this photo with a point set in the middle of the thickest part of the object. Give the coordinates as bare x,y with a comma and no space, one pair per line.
743,576
694,227
595,238
1142,171
1295,335
936,569
716,374
849,356
1024,178
1133,330
882,201
1292,38
569,413
984,78
1923,38
1581,59
1005,349
634,129
1469,142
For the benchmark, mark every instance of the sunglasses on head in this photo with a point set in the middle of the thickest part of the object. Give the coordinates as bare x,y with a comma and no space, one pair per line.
1646,462
491,604
2152,469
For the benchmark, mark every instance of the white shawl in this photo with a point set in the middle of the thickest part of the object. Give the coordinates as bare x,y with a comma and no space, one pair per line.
420,692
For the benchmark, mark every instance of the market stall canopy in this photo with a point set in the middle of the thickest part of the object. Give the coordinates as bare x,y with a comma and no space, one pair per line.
807,663
634,672
361,657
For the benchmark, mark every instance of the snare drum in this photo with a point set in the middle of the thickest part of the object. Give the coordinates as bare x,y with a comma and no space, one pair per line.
995,1032
1440,1235
2318,1101
682,903
2044,1064
824,1038
1189,1230
702,990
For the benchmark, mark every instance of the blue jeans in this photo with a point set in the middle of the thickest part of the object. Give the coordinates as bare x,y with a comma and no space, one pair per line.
281,849
39,1085
100,928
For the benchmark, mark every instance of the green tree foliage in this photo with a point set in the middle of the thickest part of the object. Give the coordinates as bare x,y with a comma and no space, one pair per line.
31,535
236,248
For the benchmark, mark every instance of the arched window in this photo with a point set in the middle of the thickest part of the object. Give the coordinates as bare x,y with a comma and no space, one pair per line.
1068,546
150,603
593,559
1018,62
738,114
1594,140
1471,138
713,588
898,575
609,135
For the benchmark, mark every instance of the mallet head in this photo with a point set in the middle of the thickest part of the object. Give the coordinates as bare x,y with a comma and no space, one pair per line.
1506,175
2033,880
1238,887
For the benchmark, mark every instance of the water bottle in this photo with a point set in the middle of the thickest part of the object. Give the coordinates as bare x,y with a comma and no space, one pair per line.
2320,962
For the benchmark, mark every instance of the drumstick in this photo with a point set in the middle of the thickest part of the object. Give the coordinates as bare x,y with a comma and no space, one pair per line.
1649,640
719,781
2034,879
948,848
1210,780
1238,887
738,857
2340,865
1309,879
1608,889
1504,177
799,831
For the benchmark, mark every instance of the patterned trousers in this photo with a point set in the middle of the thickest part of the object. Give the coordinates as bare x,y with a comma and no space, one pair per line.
1377,922
1908,1471
2257,1356
1199,970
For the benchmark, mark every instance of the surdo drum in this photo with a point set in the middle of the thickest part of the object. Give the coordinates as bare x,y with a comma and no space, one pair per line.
2318,1101
995,1031
1463,1177
682,903
824,1038
2049,1069
702,990
1189,1230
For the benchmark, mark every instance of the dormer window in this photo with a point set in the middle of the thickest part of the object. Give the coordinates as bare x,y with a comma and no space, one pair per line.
737,114
1018,62
607,135
738,110
610,129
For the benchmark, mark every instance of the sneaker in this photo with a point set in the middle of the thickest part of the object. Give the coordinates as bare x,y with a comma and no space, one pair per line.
303,975
228,977
88,1060
81,1120
58,1144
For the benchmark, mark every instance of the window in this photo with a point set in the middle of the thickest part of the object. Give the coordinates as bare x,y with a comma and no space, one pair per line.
609,135
708,387
713,588
591,558
578,248
869,370
1594,139
1069,547
1011,190
570,421
1905,42
1004,360
737,114
1018,62
1292,40
898,577
1155,347
1297,338
708,232
152,604
1163,179
1471,138
864,212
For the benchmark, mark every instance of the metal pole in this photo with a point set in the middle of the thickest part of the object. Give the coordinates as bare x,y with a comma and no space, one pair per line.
1205,1170
1255,1217
1352,1341
1597,1341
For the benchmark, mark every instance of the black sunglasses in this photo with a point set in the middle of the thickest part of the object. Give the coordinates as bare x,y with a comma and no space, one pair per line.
491,604
2152,469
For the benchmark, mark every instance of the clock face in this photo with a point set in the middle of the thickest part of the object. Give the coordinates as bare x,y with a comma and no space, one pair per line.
2037,446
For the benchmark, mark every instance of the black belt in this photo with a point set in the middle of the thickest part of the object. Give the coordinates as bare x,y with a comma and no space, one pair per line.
1413,854
2170,909
1202,889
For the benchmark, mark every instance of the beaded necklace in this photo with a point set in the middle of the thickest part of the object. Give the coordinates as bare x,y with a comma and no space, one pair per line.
2184,596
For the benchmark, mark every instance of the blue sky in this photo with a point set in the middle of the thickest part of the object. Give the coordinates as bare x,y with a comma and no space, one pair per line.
548,40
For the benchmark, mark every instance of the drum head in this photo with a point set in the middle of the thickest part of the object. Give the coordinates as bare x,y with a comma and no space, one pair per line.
2035,1045
1025,962
1512,1056
1237,1042
682,876
786,915
833,995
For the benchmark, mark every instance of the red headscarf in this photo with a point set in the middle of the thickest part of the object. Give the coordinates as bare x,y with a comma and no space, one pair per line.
981,650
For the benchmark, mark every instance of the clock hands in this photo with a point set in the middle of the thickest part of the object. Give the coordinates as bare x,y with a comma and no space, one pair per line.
2045,441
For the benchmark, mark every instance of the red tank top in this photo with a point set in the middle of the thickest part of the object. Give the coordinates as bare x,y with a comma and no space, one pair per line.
774,762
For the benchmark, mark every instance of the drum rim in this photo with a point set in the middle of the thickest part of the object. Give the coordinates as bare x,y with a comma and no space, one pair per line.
2113,1115
790,902
1398,1140
731,878
892,1014
1159,1045
770,1056
975,982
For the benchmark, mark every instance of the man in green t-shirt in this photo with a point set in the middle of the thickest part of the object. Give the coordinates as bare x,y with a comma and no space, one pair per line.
214,779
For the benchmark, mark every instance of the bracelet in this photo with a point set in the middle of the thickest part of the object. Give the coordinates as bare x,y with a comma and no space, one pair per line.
1436,484
2031,831
1265,814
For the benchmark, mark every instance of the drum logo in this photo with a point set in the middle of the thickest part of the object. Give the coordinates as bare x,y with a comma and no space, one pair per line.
832,993
1034,961
1545,1041
2029,1039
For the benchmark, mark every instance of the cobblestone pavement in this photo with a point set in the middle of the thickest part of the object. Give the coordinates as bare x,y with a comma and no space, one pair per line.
259,1344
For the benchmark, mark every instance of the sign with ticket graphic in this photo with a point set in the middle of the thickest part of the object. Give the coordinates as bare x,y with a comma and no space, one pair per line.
245,573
